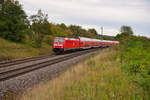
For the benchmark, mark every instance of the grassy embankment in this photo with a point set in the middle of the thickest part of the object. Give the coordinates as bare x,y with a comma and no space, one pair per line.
108,75
10,50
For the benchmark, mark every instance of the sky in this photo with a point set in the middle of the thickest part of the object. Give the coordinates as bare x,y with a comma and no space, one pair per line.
109,14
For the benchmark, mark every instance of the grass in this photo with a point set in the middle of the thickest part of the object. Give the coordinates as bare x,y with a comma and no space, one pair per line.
10,50
98,78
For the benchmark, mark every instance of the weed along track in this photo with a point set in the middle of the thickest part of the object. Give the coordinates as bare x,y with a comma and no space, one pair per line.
10,73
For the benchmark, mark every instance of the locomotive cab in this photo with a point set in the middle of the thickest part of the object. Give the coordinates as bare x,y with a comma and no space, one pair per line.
58,44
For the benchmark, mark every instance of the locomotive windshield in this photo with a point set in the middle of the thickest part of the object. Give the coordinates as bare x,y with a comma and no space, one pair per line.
59,40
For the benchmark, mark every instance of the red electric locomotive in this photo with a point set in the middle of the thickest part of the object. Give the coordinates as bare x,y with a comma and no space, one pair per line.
61,44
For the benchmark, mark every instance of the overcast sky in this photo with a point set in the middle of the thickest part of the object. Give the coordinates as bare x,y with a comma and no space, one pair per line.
111,14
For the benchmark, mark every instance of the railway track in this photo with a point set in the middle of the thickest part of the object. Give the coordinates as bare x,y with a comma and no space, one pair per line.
11,73
20,61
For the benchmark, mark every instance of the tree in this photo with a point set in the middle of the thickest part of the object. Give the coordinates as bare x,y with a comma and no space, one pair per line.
1,2
12,21
79,31
39,27
93,31
62,25
126,30
76,30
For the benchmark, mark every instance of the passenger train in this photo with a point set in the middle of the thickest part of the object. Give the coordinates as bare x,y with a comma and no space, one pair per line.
62,44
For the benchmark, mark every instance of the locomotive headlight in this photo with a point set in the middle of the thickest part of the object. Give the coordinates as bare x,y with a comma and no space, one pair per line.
58,44
55,44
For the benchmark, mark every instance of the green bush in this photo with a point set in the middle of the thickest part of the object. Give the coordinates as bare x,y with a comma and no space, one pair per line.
135,59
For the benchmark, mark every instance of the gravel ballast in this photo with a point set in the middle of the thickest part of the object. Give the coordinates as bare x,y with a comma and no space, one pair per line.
21,83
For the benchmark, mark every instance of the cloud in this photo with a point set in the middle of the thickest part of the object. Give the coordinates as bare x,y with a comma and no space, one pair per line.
110,14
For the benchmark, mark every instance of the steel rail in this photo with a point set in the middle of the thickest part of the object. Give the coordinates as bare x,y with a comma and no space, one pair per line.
20,61
23,70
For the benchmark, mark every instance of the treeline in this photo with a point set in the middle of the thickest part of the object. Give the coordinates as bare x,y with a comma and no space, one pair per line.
34,30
